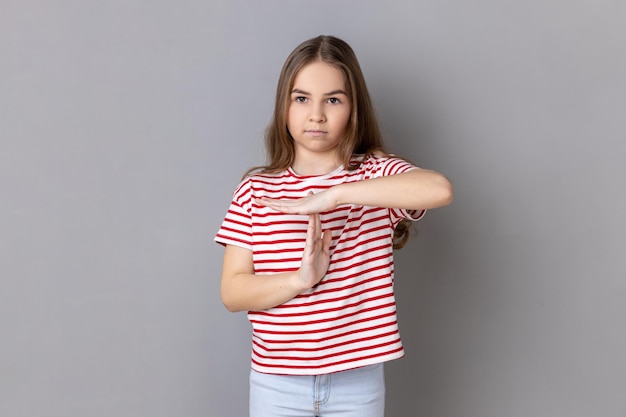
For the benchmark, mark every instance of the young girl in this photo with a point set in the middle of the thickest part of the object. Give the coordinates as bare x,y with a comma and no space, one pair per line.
308,242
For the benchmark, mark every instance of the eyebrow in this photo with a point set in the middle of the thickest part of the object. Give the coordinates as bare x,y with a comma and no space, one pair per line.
331,93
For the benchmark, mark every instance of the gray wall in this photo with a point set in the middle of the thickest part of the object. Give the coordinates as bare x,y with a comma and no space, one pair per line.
124,127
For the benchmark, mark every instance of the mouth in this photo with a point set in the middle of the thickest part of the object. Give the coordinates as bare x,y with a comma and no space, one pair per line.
315,132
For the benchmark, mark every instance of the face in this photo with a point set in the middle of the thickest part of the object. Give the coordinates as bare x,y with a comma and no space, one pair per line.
319,111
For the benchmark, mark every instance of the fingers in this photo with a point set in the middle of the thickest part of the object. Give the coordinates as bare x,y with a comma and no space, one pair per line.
318,225
314,225
326,240
304,205
316,254
283,206
312,234
316,238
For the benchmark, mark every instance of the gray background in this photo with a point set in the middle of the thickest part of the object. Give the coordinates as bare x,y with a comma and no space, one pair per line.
125,126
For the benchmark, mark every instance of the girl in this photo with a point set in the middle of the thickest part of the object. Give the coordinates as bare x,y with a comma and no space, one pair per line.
308,242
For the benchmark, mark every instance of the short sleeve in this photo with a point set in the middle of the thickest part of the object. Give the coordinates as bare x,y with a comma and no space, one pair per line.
392,165
236,228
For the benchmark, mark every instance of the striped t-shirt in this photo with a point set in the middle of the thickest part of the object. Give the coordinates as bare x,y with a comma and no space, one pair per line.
347,320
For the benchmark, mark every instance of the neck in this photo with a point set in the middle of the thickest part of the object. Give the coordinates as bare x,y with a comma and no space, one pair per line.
315,166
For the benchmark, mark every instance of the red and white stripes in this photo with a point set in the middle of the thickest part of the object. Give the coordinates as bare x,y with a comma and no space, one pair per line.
349,318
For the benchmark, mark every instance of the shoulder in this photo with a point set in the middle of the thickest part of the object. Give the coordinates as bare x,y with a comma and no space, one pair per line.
267,178
261,180
380,164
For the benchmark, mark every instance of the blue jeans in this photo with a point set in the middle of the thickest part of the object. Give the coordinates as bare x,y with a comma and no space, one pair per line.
357,392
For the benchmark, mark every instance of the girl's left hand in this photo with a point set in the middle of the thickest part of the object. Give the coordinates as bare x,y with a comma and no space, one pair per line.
312,203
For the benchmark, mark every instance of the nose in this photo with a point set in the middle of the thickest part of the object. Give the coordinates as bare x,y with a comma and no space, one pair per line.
317,114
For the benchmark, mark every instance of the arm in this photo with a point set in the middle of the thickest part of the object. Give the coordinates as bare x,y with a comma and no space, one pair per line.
416,189
241,289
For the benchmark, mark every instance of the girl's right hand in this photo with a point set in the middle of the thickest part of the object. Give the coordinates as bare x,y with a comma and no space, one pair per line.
316,255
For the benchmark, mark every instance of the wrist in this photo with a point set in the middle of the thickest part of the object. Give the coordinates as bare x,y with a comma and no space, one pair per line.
297,282
337,194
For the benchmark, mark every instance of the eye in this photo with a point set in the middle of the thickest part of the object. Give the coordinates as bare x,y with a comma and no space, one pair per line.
334,100
300,99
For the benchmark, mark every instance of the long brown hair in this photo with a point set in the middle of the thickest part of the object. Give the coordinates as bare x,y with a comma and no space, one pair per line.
363,135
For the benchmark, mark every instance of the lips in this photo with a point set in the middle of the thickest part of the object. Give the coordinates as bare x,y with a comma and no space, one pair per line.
314,132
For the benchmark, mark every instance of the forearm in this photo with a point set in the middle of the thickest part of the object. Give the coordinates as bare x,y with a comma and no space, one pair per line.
242,292
242,289
416,189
